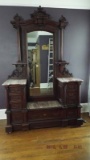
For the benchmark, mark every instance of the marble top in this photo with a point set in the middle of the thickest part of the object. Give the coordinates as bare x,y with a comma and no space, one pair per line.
14,82
43,105
69,79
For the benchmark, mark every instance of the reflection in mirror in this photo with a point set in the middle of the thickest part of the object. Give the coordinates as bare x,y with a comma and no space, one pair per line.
40,62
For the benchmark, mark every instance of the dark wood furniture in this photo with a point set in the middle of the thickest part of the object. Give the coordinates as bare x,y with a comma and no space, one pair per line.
69,91
16,104
60,109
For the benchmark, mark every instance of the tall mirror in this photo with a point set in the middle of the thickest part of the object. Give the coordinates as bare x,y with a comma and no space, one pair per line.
40,55
36,54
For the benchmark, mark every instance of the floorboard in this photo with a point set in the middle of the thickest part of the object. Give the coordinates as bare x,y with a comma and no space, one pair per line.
46,144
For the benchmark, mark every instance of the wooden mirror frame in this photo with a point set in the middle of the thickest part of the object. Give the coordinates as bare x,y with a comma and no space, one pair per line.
41,21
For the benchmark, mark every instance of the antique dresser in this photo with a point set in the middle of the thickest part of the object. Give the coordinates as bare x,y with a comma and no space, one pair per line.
32,100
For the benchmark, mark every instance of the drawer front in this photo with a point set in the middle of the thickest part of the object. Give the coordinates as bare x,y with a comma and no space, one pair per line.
72,113
15,105
15,89
72,93
72,100
16,117
17,98
46,114
72,87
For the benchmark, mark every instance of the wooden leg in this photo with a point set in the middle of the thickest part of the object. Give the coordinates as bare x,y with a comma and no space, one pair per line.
8,129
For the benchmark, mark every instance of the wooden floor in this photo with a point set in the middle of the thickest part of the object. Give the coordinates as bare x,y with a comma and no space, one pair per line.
46,144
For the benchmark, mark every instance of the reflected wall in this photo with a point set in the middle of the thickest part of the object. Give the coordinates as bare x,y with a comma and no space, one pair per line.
40,62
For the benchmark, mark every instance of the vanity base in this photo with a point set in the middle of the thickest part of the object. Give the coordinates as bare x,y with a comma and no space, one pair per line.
44,116
37,124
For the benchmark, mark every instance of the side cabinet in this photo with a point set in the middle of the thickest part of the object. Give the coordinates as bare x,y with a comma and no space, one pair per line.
69,97
16,105
69,93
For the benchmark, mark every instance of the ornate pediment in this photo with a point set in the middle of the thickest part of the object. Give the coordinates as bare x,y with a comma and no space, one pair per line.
16,21
63,22
40,17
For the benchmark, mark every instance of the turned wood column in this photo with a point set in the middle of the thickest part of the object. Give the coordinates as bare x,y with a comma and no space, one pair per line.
61,44
61,70
16,24
62,25
18,42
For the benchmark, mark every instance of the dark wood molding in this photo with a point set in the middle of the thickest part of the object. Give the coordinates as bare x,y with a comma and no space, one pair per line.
61,70
19,72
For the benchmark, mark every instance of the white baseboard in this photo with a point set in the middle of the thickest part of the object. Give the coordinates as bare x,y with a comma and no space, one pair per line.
2,114
85,108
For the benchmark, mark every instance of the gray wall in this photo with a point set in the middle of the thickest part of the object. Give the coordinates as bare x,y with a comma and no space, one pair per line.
76,43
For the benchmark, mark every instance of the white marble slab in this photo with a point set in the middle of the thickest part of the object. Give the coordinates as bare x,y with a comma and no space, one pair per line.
69,79
43,105
14,82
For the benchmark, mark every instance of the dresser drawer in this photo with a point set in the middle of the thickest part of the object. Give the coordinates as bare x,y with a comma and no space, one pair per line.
72,113
72,94
15,89
46,114
16,117
15,105
72,87
17,98
72,100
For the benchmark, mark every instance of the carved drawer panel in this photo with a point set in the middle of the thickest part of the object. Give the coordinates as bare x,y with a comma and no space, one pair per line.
72,113
16,117
72,87
46,114
15,89
15,105
72,100
72,94
17,98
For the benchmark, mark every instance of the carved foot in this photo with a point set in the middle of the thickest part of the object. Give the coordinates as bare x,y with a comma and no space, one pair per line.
8,129
25,127
80,121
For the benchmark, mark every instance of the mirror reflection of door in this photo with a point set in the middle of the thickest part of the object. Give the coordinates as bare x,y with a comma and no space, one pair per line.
40,63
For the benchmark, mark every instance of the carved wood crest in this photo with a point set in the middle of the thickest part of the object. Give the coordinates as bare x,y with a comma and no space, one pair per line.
40,20
40,17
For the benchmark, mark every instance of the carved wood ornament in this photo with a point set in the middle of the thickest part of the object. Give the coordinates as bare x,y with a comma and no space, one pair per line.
40,20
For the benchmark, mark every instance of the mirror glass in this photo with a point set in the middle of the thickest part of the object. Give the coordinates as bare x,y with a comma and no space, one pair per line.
40,62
